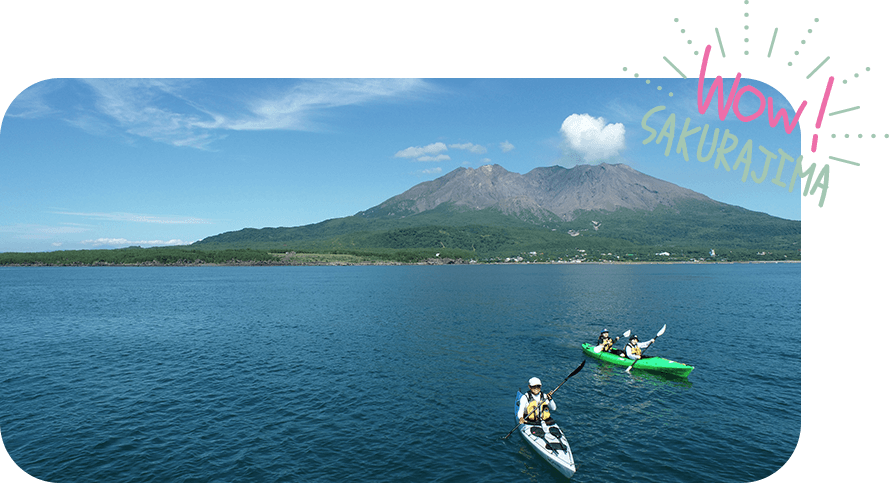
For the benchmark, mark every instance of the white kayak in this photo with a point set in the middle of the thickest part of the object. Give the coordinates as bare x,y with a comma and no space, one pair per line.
549,442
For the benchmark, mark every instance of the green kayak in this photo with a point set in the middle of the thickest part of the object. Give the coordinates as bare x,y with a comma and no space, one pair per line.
653,364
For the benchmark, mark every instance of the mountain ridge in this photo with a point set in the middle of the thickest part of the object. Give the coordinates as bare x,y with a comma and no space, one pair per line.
554,189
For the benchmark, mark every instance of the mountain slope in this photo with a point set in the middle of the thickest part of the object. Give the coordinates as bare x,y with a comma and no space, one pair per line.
490,211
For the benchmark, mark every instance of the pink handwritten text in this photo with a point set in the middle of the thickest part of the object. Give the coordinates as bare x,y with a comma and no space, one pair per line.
734,97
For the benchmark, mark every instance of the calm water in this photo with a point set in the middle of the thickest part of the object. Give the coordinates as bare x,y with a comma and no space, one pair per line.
393,373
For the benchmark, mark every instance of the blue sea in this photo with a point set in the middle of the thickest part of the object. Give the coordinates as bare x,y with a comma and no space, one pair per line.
393,373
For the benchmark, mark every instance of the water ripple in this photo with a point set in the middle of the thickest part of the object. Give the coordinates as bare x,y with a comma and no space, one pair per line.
392,373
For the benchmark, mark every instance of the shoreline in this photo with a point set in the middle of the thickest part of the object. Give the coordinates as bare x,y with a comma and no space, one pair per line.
428,262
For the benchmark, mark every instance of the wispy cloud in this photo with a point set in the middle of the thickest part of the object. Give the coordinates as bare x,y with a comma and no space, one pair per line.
33,101
417,151
26,231
186,113
156,109
291,109
440,157
472,148
506,146
432,152
139,218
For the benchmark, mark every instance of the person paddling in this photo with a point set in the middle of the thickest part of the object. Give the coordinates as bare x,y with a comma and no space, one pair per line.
605,341
534,405
634,348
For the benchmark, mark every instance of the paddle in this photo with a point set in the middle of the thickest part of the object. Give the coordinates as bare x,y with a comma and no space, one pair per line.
598,348
659,333
550,394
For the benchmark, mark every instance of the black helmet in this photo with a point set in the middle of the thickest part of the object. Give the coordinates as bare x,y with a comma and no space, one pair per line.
634,337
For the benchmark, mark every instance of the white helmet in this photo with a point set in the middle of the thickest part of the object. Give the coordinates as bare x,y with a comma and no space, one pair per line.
533,381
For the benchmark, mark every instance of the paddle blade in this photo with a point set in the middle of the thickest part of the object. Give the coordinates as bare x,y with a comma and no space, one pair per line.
569,377
513,429
578,369
661,332
627,333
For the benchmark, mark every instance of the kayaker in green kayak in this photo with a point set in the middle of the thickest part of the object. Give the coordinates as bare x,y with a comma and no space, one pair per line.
535,405
633,350
605,341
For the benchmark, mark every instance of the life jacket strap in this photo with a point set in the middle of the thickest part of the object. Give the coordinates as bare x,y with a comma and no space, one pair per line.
541,409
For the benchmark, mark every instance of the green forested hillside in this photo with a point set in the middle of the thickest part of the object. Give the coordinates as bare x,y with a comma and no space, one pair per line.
691,228
136,256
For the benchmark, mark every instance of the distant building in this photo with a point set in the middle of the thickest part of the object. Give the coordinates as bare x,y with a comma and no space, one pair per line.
663,254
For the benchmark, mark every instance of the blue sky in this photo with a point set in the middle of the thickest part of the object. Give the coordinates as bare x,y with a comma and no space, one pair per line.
105,163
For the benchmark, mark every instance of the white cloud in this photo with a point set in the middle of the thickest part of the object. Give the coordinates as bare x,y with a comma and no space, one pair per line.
472,148
416,152
506,146
431,171
591,138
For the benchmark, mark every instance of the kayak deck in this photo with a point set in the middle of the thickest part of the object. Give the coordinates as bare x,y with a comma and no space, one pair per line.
549,442
653,364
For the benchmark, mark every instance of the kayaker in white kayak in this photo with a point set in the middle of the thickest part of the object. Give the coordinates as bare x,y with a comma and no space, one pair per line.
605,341
633,350
534,404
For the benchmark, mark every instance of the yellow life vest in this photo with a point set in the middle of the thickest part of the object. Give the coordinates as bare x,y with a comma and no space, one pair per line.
636,351
607,343
531,410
